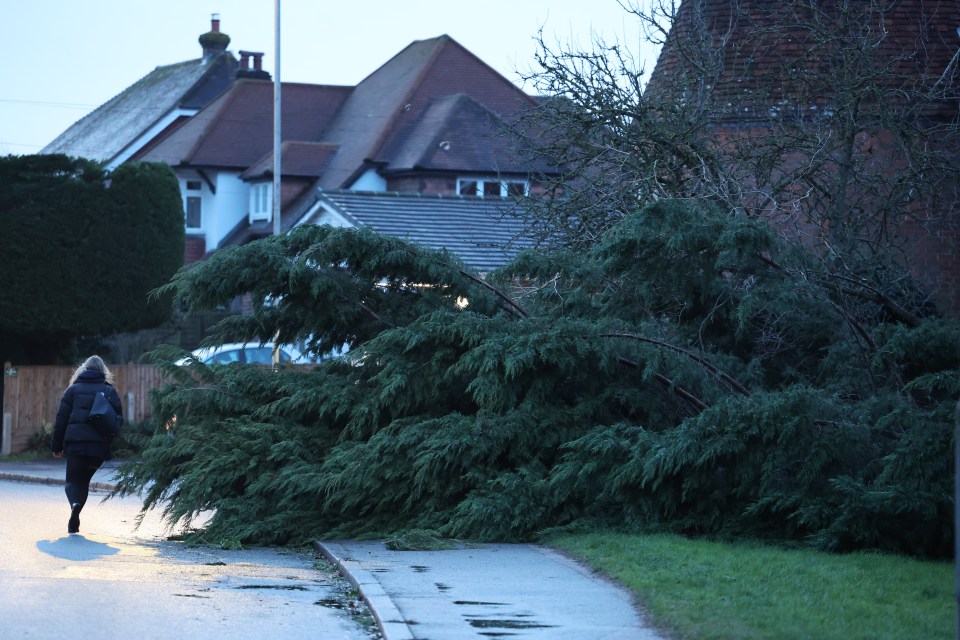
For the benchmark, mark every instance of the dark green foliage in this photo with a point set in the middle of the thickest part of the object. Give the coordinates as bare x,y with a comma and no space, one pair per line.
149,221
48,244
83,250
686,373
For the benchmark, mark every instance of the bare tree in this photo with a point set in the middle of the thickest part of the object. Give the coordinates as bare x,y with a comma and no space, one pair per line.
836,121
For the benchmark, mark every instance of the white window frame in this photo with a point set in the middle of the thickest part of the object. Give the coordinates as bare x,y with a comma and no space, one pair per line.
261,202
192,192
482,181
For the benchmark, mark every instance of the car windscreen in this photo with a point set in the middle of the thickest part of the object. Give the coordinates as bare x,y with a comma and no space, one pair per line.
263,355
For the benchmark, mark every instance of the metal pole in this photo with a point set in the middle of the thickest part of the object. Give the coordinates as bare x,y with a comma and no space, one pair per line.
276,146
276,122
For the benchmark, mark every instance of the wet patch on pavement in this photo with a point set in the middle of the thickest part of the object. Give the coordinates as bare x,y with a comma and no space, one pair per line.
334,603
506,623
279,587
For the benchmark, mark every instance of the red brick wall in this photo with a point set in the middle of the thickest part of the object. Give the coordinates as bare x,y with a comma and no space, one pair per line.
932,251
762,44
936,264
423,184
195,247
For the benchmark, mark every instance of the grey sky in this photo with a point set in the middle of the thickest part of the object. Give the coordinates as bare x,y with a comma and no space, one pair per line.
62,58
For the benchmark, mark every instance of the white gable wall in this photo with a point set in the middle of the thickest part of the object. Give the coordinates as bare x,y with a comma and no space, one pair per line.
370,180
230,208
322,213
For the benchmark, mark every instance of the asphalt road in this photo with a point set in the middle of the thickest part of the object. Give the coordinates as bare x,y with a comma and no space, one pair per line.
115,581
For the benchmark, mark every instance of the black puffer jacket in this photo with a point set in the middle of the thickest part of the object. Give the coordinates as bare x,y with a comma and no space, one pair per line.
71,431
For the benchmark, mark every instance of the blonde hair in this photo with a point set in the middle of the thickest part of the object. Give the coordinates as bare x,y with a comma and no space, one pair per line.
97,364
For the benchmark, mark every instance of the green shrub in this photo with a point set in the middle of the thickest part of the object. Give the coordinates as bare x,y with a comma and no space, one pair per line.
39,442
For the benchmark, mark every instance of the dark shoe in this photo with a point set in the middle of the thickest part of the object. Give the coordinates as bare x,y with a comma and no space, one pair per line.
73,526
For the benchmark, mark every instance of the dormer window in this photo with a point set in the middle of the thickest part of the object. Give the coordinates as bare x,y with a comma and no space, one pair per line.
491,187
260,201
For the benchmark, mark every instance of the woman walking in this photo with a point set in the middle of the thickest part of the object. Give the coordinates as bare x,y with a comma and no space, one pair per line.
84,445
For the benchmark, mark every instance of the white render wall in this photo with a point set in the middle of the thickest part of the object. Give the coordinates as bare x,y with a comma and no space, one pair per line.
230,207
220,213
370,180
331,217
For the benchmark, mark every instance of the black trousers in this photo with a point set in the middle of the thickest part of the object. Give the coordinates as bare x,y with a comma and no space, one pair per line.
80,470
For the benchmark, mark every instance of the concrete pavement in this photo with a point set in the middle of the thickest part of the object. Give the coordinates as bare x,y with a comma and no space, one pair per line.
487,590
478,591
53,471
122,578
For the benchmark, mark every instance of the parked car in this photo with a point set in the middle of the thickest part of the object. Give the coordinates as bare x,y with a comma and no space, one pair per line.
246,353
256,353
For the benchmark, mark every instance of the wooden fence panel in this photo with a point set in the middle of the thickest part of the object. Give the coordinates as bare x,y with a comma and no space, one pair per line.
31,396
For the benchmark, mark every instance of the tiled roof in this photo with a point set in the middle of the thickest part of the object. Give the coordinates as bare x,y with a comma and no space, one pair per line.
105,132
300,159
766,54
456,133
433,106
236,130
387,106
483,232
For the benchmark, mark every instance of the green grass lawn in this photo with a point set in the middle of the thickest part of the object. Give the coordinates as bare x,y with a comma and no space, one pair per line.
701,590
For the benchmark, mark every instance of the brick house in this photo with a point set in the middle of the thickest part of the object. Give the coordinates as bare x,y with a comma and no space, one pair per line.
431,120
885,110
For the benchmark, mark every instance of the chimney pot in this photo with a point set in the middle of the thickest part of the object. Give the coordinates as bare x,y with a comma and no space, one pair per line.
251,65
213,42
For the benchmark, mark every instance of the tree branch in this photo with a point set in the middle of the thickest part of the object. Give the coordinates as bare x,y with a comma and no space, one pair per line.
895,309
728,380
512,304
699,404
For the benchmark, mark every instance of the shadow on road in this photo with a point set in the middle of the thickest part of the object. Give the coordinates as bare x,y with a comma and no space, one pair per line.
76,547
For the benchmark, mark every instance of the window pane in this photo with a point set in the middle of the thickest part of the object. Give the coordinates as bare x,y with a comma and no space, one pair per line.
467,187
193,212
516,188
264,192
193,185
259,355
224,357
491,188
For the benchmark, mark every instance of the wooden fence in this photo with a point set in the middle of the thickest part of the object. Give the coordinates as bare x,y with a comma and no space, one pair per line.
31,396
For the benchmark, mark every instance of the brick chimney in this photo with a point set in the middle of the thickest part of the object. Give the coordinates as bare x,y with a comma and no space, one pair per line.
213,42
251,65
